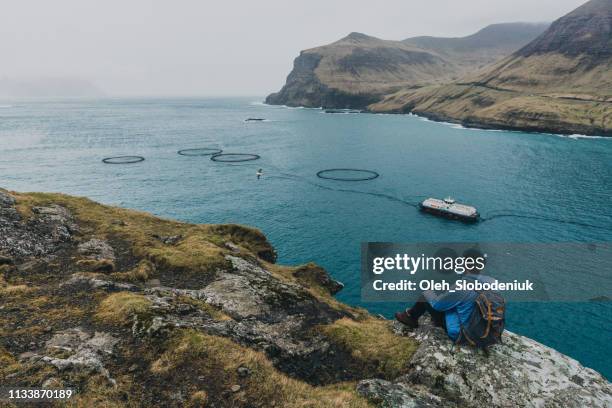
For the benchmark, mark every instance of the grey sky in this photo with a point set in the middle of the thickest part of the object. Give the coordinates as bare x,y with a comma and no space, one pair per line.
190,47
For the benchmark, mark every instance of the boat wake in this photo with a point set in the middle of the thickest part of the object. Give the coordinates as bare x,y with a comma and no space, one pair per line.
491,216
514,214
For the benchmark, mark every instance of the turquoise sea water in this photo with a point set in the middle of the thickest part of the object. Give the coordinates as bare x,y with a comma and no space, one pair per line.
58,146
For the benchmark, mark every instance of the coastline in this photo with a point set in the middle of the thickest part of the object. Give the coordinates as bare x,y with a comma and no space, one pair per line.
475,125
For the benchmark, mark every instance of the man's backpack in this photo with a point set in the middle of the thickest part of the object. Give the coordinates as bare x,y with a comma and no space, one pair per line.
486,323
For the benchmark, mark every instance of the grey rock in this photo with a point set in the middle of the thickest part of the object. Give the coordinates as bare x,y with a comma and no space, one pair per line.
54,210
37,236
520,372
87,351
243,371
234,294
152,283
6,200
10,214
5,260
27,355
232,247
392,395
97,283
168,239
97,249
51,383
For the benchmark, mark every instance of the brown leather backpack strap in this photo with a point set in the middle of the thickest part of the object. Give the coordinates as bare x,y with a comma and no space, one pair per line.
489,320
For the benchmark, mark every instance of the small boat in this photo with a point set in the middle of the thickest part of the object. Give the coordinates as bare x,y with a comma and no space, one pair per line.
342,111
254,120
449,208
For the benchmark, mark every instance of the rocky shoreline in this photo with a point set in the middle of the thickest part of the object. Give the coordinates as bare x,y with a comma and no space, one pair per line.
478,106
472,123
132,310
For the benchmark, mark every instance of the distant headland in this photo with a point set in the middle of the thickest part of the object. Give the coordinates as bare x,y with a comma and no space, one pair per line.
520,76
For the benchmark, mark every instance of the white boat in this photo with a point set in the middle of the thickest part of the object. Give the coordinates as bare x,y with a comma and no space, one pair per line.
449,208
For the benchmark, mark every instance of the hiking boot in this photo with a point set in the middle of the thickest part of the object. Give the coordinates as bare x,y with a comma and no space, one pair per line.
407,319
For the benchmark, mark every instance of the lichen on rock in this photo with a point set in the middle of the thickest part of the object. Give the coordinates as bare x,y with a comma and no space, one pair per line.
520,372
84,351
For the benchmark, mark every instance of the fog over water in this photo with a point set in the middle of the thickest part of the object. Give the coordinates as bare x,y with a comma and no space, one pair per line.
190,47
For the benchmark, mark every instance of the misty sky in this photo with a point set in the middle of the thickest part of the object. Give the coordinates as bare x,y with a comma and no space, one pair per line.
191,47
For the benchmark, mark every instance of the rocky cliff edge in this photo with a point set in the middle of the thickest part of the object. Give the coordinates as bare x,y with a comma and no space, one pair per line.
133,310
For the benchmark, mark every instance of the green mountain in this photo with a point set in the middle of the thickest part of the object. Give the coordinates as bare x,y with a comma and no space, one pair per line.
490,44
359,70
560,82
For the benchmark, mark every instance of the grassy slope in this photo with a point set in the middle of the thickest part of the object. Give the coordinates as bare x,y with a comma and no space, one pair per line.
363,64
561,82
520,93
358,69
189,358
568,112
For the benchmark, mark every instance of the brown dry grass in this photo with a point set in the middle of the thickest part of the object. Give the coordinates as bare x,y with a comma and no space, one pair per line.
119,308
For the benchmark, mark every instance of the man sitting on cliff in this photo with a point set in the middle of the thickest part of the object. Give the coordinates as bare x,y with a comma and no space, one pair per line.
468,316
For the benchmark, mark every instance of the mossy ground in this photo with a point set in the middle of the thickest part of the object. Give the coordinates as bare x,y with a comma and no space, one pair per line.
376,349
189,365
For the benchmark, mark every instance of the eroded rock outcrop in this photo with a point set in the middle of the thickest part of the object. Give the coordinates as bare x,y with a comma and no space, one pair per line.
38,234
518,373
76,349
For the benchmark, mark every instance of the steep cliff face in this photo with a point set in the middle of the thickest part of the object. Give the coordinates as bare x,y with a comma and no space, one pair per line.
561,82
304,88
132,310
358,69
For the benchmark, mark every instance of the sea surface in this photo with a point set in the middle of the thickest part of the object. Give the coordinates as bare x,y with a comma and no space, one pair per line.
58,146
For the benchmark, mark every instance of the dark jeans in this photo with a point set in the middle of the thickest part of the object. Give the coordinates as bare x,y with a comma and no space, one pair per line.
421,306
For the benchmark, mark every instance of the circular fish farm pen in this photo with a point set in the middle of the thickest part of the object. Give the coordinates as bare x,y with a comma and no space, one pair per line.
347,174
200,151
123,159
234,157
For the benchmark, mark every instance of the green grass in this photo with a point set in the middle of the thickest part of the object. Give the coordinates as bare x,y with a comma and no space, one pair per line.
371,342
